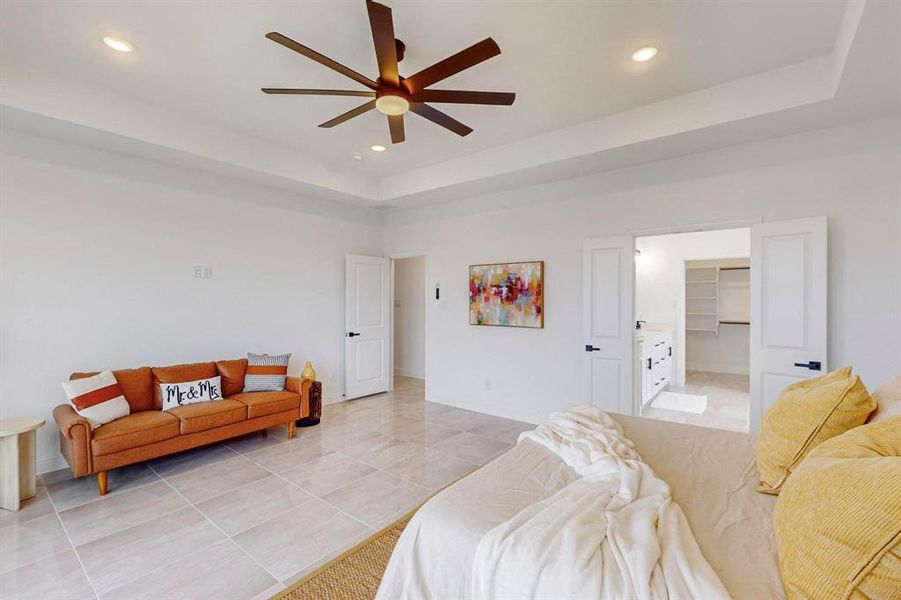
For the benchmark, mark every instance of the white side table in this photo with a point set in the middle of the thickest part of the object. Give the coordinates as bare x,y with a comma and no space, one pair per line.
18,460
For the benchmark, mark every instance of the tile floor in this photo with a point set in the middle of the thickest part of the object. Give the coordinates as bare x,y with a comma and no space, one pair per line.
244,518
728,401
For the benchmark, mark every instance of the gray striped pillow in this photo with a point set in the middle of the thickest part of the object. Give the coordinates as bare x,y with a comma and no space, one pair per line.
266,372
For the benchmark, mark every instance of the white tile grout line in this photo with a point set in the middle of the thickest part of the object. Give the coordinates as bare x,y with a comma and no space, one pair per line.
323,500
72,545
211,522
109,495
191,504
307,491
291,483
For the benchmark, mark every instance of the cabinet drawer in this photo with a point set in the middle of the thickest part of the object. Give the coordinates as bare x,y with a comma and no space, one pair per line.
655,344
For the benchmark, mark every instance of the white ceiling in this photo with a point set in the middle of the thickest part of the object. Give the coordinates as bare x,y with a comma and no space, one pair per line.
568,62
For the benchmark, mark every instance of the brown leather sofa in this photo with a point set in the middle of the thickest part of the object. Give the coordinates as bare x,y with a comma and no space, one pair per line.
149,432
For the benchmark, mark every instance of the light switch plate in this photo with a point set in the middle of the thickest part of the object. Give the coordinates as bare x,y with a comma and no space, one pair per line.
203,271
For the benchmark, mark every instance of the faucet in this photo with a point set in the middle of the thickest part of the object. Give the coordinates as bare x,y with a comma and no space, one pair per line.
638,324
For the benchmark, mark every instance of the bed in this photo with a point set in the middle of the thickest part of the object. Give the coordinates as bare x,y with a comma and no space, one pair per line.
711,474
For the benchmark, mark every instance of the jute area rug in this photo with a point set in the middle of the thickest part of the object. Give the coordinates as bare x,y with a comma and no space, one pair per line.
354,575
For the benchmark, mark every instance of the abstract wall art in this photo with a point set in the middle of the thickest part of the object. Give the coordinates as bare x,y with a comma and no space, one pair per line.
507,294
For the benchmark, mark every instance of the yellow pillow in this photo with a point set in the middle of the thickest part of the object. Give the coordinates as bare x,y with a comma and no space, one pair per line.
806,414
838,518
830,377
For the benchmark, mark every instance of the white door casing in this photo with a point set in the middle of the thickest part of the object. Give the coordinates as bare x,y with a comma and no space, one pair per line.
608,274
367,342
789,265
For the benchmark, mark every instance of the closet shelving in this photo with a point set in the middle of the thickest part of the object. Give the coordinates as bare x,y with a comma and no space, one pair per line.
701,298
706,289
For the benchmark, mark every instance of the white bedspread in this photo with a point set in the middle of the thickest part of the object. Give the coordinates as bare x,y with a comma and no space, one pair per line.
614,533
570,512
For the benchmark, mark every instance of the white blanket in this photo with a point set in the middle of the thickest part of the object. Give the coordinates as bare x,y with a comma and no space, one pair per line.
614,533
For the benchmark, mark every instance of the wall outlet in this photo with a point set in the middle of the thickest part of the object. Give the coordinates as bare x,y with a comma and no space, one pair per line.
487,385
198,271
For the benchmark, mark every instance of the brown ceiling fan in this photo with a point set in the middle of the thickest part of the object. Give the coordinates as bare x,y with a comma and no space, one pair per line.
392,94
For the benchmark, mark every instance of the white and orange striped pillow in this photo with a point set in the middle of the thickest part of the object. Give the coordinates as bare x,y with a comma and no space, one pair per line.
98,399
266,372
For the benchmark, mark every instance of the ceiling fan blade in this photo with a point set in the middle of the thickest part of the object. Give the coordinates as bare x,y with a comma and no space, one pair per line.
302,92
350,114
452,65
462,97
436,116
396,126
382,26
321,58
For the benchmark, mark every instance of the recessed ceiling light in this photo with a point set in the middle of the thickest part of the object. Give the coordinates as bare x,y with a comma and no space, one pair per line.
644,54
357,156
378,148
119,44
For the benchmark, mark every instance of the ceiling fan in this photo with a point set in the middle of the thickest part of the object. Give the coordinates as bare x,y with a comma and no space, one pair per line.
392,94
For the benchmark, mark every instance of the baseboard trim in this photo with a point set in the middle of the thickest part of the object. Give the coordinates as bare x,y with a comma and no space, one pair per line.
400,372
50,464
332,398
715,368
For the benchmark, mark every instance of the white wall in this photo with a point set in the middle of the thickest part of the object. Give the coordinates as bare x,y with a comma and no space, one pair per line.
97,273
660,297
850,174
96,251
409,317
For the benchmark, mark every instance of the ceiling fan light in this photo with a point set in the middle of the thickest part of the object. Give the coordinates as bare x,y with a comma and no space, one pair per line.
392,105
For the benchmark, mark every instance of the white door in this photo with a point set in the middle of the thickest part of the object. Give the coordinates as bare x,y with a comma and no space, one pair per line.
608,272
788,307
367,339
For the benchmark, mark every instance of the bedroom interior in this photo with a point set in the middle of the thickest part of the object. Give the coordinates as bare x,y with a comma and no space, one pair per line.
388,300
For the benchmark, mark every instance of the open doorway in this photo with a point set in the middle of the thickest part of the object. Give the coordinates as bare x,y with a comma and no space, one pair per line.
692,337
409,323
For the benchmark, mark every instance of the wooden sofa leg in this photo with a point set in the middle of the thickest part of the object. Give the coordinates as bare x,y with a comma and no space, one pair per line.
102,483
291,428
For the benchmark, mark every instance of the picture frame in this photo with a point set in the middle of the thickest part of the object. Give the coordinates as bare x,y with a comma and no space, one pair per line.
507,294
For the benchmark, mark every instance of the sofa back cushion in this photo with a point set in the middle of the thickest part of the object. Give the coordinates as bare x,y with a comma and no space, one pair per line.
136,384
179,374
232,374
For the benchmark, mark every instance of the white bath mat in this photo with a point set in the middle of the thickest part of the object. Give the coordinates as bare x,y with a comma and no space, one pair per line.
682,402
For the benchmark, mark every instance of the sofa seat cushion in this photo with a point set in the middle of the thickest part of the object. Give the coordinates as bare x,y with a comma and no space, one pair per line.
209,415
260,404
135,430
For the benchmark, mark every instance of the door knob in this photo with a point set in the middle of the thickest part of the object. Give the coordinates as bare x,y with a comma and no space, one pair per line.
590,348
813,365
353,333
